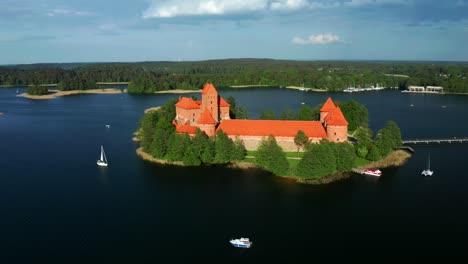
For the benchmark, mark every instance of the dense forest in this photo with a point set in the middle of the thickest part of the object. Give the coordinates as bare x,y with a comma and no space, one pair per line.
148,77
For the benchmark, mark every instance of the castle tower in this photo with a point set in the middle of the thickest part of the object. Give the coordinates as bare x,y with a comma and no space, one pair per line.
336,126
326,108
210,101
206,123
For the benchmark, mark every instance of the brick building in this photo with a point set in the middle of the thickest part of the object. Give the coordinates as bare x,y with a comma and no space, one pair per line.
212,114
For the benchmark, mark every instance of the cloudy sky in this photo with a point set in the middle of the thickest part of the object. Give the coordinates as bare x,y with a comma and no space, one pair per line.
33,31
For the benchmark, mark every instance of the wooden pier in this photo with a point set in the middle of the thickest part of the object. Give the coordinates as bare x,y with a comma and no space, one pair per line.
435,140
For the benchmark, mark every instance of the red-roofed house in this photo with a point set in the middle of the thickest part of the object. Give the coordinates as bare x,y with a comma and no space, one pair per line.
212,114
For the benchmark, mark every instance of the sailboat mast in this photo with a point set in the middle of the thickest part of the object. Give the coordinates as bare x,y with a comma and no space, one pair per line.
429,162
102,153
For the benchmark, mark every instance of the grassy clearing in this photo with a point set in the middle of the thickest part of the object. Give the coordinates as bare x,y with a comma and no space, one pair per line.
288,154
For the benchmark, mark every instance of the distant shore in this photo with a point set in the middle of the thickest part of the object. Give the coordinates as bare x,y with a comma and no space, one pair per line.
56,93
249,86
305,89
177,91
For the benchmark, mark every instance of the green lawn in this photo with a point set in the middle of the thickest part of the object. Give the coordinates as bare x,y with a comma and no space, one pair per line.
360,162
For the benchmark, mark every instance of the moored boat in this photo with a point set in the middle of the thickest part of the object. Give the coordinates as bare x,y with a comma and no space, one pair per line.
241,243
373,172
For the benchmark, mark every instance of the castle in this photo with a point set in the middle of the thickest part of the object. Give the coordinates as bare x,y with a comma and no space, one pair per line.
212,114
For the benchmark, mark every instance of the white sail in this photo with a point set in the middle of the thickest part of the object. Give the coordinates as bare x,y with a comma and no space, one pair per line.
428,172
103,160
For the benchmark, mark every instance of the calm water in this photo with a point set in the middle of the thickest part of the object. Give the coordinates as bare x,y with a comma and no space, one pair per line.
56,204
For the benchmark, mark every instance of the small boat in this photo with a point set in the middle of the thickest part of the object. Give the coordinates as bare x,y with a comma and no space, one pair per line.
428,172
303,103
103,160
373,172
108,126
241,243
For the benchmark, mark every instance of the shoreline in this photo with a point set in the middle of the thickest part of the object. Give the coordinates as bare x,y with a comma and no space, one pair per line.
177,91
156,108
305,89
56,93
394,159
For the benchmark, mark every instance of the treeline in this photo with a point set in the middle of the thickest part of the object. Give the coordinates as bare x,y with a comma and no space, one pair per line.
148,77
159,138
37,90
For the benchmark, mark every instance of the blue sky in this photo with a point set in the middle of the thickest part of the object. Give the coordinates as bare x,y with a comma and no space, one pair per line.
34,31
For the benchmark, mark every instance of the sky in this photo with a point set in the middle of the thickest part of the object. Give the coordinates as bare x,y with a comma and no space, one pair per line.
52,31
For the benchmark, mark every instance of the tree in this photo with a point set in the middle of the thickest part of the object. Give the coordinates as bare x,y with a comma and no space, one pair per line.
191,157
223,147
209,152
388,138
177,146
345,156
267,115
147,125
356,114
288,114
318,161
271,157
305,113
300,140
374,153
232,109
241,113
159,144
239,152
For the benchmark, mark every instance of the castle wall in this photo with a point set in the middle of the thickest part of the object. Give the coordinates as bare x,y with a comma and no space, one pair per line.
337,133
322,116
184,115
224,113
208,129
286,143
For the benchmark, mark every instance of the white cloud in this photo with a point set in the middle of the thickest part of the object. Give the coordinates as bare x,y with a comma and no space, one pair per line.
66,12
289,4
317,39
173,8
358,3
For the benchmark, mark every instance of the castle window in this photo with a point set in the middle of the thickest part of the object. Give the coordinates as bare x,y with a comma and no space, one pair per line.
335,133
337,139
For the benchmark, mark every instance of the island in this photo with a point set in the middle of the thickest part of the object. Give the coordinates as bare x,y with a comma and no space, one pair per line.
318,145
51,94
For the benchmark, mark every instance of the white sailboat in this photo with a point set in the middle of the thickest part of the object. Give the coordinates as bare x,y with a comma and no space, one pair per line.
428,172
103,161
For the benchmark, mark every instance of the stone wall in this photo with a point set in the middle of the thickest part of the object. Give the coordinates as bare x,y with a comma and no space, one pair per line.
286,143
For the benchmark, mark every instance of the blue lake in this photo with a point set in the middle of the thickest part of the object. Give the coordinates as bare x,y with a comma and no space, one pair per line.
56,204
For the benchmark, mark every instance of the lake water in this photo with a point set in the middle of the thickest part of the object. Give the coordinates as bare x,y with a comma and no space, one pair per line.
57,204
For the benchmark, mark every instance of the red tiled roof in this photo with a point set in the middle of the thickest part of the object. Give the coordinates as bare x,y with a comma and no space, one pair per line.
328,106
336,118
223,103
206,118
209,87
187,103
198,102
285,128
186,129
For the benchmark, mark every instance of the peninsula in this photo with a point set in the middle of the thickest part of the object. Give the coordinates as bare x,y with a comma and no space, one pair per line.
57,93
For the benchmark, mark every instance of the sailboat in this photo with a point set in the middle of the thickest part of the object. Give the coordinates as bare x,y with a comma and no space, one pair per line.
103,161
428,172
